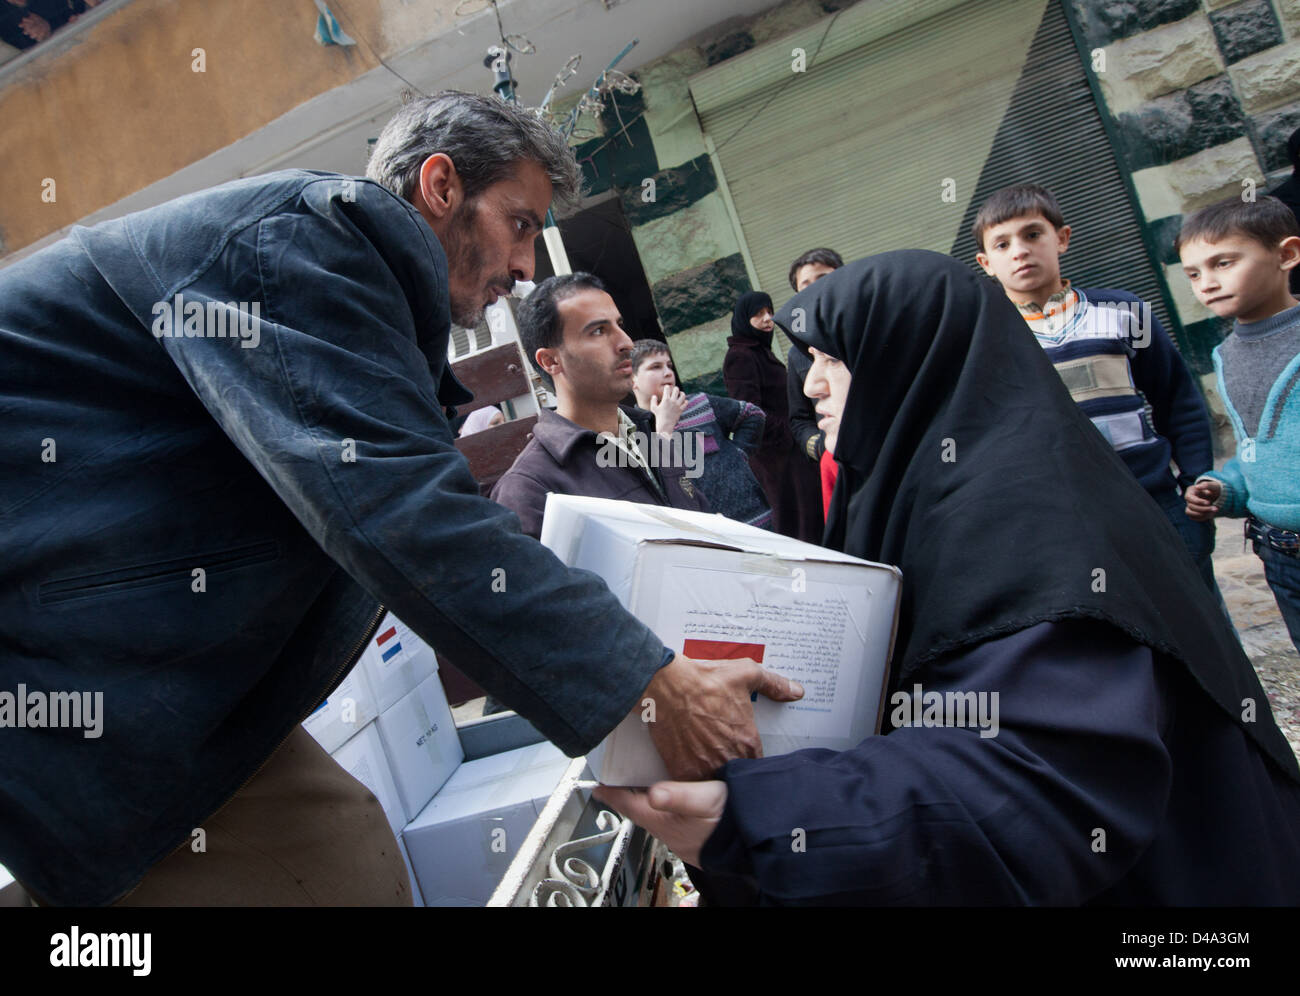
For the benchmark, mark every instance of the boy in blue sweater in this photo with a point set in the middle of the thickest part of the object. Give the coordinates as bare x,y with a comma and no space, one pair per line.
1239,256
1110,350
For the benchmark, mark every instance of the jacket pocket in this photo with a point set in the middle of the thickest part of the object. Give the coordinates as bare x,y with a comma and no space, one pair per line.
162,572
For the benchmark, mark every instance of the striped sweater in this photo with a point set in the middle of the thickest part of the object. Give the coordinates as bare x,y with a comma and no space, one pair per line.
731,430
1123,371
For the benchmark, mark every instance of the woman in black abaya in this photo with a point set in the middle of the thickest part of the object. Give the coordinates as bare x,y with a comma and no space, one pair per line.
1135,761
753,373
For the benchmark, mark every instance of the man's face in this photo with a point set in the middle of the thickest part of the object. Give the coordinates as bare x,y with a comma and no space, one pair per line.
810,273
1024,256
594,362
1238,277
652,376
489,240
828,383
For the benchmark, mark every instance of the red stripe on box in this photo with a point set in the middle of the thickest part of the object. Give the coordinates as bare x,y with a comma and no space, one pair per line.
718,650
388,634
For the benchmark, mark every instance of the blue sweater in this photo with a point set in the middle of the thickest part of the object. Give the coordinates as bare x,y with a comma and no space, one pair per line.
1263,479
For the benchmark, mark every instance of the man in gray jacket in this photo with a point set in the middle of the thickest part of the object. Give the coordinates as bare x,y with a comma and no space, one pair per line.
225,451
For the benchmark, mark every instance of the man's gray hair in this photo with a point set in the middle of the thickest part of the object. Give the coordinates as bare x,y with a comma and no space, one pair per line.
484,136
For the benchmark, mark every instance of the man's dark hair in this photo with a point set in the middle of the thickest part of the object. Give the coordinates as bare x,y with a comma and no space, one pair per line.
643,349
484,136
826,257
1267,220
1016,202
538,316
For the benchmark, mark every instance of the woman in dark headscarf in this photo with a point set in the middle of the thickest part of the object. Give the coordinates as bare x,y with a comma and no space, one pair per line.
753,373
1134,760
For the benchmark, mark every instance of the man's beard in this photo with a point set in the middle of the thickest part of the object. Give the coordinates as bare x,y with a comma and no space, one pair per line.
465,265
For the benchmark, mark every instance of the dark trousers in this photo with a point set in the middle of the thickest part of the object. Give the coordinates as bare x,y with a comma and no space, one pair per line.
1282,570
1198,537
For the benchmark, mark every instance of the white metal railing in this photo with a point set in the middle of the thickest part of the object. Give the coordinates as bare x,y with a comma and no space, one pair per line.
613,866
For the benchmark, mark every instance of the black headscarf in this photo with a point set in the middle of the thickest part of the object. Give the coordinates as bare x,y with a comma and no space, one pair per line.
964,461
749,305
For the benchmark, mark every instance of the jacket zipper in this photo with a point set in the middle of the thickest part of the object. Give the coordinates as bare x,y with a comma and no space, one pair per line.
349,662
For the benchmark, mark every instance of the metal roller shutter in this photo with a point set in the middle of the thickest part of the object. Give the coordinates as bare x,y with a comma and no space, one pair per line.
901,97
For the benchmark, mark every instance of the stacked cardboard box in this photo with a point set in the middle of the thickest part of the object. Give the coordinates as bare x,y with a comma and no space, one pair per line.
389,725
464,840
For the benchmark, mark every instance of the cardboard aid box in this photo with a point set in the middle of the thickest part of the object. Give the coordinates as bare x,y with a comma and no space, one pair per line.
717,589
349,708
421,743
464,840
396,661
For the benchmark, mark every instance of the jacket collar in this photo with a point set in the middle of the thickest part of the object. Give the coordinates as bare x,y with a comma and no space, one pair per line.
560,437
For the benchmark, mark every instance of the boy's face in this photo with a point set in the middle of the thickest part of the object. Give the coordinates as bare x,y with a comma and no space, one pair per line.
652,376
809,274
1238,277
1024,256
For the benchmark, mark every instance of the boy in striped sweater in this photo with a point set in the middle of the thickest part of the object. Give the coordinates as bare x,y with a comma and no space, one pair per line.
1110,350
1238,256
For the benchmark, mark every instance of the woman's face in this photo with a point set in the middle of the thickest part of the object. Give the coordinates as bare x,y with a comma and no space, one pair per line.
762,320
827,383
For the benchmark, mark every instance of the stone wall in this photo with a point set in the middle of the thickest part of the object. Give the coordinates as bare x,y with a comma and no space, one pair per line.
684,233
1203,95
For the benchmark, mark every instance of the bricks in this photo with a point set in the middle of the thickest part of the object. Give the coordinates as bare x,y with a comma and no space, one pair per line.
1197,180
1181,124
1170,58
1245,28
1268,79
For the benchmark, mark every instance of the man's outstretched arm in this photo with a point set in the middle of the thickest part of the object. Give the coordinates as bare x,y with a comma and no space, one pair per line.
336,407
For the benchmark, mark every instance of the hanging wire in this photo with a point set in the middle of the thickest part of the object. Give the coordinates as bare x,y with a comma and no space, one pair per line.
342,15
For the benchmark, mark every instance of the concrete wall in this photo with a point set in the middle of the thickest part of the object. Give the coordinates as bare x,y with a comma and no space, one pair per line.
685,238
106,108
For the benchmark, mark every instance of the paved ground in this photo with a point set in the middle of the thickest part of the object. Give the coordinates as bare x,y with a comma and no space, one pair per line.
1259,624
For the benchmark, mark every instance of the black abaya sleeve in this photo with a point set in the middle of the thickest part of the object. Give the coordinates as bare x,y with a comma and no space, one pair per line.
942,816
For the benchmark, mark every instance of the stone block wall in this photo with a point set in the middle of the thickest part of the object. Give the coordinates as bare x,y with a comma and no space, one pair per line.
1203,95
